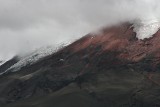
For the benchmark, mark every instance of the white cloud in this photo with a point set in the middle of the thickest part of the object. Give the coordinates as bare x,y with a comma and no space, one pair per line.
30,24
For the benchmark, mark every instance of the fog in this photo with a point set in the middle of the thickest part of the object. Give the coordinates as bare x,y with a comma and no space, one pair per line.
26,25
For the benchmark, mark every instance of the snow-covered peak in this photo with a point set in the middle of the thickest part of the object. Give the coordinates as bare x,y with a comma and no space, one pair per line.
146,28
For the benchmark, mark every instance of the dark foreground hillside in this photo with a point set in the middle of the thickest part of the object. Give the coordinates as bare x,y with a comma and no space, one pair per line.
113,69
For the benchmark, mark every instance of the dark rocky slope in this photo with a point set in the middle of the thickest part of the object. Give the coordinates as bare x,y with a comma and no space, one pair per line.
8,64
113,69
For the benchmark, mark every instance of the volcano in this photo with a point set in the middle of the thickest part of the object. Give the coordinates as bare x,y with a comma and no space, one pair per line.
111,68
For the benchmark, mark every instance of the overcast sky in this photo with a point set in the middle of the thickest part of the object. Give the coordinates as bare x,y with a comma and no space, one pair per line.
29,24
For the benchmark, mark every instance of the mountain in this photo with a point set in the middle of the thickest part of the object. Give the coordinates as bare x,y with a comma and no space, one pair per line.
108,69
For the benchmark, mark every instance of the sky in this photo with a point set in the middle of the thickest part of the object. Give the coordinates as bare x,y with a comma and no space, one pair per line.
26,25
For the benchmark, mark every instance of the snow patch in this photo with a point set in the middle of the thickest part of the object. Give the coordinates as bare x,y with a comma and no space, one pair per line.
33,57
146,28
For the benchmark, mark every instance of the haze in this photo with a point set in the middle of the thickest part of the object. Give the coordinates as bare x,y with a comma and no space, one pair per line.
26,25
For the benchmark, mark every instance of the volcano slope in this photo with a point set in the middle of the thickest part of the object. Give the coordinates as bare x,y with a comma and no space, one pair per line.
109,69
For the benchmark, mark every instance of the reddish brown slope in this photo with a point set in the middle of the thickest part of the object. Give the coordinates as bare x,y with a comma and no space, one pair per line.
121,39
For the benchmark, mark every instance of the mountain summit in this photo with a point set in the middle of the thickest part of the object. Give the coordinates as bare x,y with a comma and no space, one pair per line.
111,68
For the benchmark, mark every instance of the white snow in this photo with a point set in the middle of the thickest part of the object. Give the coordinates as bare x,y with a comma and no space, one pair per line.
146,28
33,57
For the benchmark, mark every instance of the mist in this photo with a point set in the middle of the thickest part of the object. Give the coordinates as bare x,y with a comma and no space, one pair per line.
26,25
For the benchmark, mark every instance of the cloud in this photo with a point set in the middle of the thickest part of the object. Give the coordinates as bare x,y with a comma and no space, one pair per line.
29,24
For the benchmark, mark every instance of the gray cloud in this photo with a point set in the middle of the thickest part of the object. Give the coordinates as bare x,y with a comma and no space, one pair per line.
29,24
